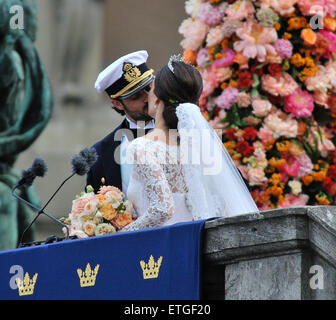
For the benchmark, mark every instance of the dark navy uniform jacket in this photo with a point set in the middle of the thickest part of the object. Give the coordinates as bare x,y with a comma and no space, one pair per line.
108,163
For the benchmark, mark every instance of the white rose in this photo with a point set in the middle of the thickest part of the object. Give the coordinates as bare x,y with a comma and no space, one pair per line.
296,186
104,228
89,228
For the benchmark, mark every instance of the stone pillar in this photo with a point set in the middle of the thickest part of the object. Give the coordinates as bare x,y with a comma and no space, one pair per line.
283,254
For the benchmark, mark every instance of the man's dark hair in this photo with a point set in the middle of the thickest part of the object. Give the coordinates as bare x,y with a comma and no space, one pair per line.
183,85
121,112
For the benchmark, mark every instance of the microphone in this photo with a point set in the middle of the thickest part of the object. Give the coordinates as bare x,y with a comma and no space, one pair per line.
81,165
38,169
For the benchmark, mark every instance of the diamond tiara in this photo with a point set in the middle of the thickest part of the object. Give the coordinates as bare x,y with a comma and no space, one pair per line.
174,58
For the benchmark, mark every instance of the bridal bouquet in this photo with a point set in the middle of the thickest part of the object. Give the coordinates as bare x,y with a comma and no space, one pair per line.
269,76
97,214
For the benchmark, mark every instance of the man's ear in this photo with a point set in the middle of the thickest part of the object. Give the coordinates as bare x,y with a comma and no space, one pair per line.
117,104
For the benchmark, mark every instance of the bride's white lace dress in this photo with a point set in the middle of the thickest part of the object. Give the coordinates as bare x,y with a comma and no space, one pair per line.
157,186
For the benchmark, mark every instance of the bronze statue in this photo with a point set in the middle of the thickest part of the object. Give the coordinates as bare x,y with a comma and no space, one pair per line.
25,108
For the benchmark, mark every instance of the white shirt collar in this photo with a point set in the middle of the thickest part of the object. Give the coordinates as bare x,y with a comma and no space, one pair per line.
133,125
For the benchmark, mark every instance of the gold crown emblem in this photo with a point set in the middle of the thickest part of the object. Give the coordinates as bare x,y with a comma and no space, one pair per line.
151,269
88,278
26,287
130,72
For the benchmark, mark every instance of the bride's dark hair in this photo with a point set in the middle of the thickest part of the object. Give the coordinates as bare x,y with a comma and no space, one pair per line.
183,85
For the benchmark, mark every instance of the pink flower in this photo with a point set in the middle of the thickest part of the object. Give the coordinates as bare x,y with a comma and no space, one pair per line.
306,165
265,134
226,60
209,14
227,98
279,86
194,32
291,167
309,7
256,177
300,104
78,205
215,36
294,201
202,57
284,48
331,8
281,124
240,10
209,81
244,99
257,40
222,74
284,7
261,108
329,38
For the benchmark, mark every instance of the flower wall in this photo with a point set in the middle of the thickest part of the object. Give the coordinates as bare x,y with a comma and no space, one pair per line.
269,75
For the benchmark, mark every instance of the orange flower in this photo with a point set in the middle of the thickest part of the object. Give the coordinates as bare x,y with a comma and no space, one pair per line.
322,199
287,36
225,43
277,26
269,144
319,175
224,85
276,163
240,59
302,128
310,71
330,23
274,191
309,61
236,156
296,23
211,51
190,56
275,179
108,211
233,83
297,60
308,36
122,219
283,146
230,145
307,180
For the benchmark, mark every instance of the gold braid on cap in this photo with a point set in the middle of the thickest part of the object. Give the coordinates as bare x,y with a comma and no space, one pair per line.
174,58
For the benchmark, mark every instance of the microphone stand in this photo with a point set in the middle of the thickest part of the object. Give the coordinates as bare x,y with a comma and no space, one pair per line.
40,211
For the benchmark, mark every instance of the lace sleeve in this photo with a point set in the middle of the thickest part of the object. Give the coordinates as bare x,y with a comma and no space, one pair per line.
147,169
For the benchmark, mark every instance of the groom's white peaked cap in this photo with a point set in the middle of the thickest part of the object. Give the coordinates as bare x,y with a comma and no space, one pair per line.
125,76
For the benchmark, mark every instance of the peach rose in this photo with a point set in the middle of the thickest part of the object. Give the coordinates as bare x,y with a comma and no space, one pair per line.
243,100
261,108
284,7
122,220
78,206
89,228
256,177
283,86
